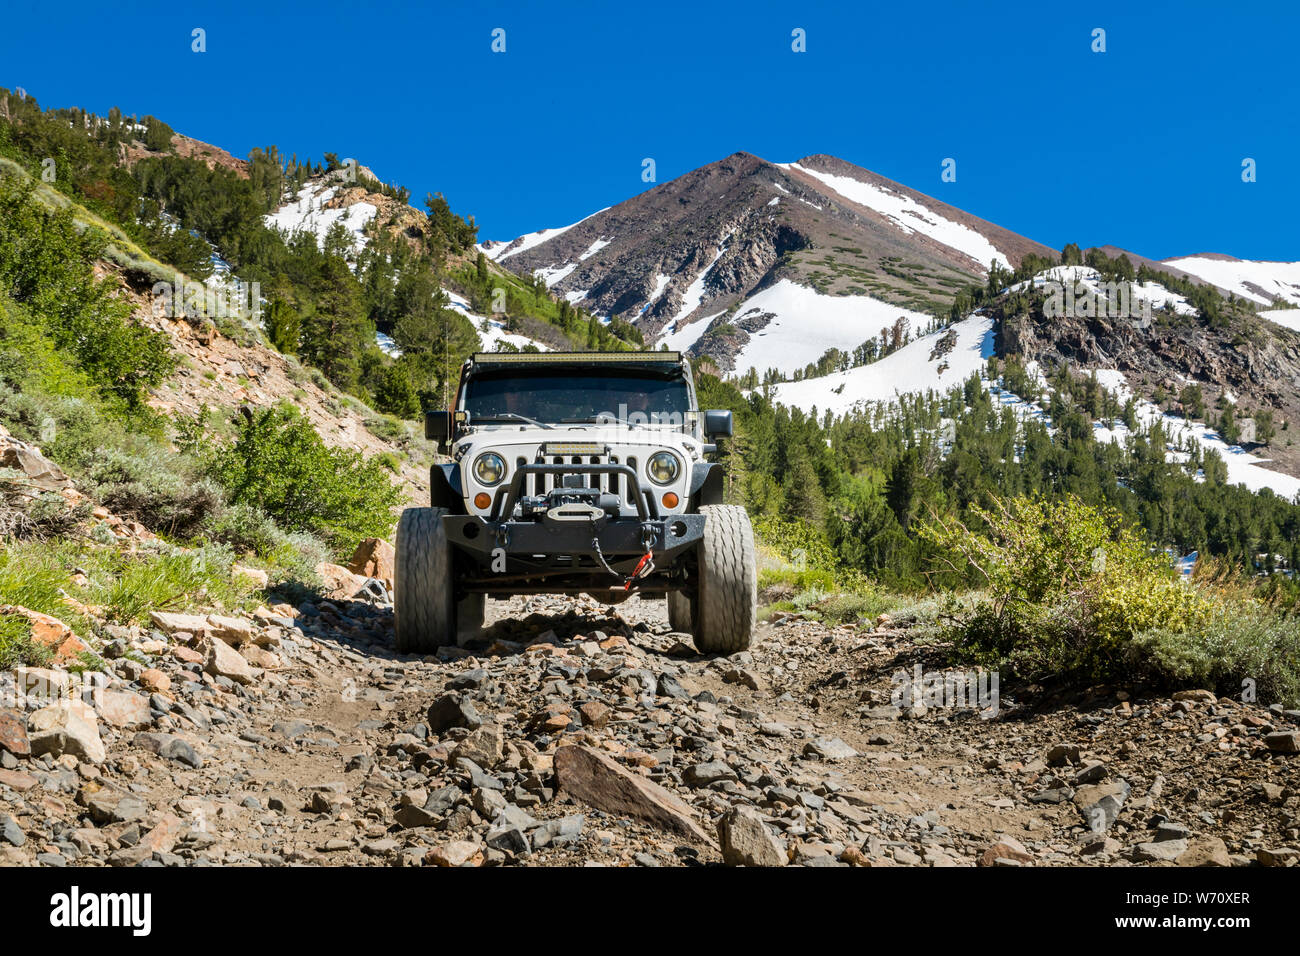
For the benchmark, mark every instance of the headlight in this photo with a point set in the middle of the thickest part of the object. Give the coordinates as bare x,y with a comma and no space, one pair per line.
662,468
489,468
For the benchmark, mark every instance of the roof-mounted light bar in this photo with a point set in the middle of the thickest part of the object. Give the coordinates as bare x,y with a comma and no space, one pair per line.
526,358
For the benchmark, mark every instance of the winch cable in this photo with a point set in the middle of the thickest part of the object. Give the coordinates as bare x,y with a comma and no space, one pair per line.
643,567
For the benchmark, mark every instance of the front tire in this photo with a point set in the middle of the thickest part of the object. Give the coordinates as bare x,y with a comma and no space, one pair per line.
679,611
726,606
424,612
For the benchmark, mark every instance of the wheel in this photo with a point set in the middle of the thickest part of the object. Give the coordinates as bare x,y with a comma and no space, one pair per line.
424,614
726,606
679,611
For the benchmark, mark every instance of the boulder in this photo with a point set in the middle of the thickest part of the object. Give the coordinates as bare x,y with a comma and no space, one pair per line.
458,853
13,733
596,780
484,746
232,630
123,709
222,660
374,558
254,576
1005,848
745,839
1205,851
1283,741
38,469
42,683
338,583
49,632
155,681
173,624
66,727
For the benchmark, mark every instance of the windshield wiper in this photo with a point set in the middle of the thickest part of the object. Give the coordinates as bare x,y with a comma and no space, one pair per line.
597,420
508,417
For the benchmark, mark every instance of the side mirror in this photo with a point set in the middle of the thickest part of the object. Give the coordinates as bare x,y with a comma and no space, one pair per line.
437,427
717,421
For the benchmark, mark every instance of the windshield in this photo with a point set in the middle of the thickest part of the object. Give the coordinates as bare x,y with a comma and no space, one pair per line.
631,396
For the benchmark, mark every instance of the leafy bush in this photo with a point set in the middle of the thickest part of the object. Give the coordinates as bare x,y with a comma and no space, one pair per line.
47,264
813,562
162,490
1240,642
291,556
1068,587
279,464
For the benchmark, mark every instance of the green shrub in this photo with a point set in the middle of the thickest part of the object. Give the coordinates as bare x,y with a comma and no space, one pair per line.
47,264
16,645
290,556
1241,642
159,488
1068,587
278,463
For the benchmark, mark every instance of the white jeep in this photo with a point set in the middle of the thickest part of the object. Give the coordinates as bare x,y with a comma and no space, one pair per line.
576,472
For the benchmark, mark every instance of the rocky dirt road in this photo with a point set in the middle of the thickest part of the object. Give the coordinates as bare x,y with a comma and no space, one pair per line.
577,734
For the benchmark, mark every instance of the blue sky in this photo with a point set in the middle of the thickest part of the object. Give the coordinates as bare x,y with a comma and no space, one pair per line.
1140,146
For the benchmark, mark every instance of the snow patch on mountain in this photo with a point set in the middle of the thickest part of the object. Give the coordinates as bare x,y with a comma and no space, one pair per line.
681,336
694,296
910,216
307,213
1257,281
807,323
497,250
1091,281
494,332
1287,318
910,370
1243,467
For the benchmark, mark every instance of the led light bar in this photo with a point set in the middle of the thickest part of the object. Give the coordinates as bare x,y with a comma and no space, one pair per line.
527,358
573,448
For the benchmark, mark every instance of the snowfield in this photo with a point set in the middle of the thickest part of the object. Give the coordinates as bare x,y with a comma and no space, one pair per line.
1247,277
504,250
496,332
910,370
1090,280
1287,318
308,214
1243,467
808,323
681,337
911,216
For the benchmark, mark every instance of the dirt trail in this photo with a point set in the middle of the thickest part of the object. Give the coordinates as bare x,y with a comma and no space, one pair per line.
337,750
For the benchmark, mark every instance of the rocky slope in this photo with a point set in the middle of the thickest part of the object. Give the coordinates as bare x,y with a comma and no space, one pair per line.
571,734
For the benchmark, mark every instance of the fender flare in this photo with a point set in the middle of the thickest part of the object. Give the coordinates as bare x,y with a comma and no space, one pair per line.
445,489
706,485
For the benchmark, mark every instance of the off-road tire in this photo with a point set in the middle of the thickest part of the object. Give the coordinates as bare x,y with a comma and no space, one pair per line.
726,605
424,612
679,611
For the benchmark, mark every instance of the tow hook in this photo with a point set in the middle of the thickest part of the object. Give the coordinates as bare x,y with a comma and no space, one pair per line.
649,535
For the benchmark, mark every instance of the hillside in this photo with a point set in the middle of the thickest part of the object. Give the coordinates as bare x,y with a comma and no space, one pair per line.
1027,580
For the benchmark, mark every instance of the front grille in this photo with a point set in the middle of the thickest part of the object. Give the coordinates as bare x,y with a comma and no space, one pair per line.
615,484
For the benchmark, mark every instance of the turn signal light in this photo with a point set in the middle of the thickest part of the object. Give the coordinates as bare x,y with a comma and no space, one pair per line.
482,500
670,500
